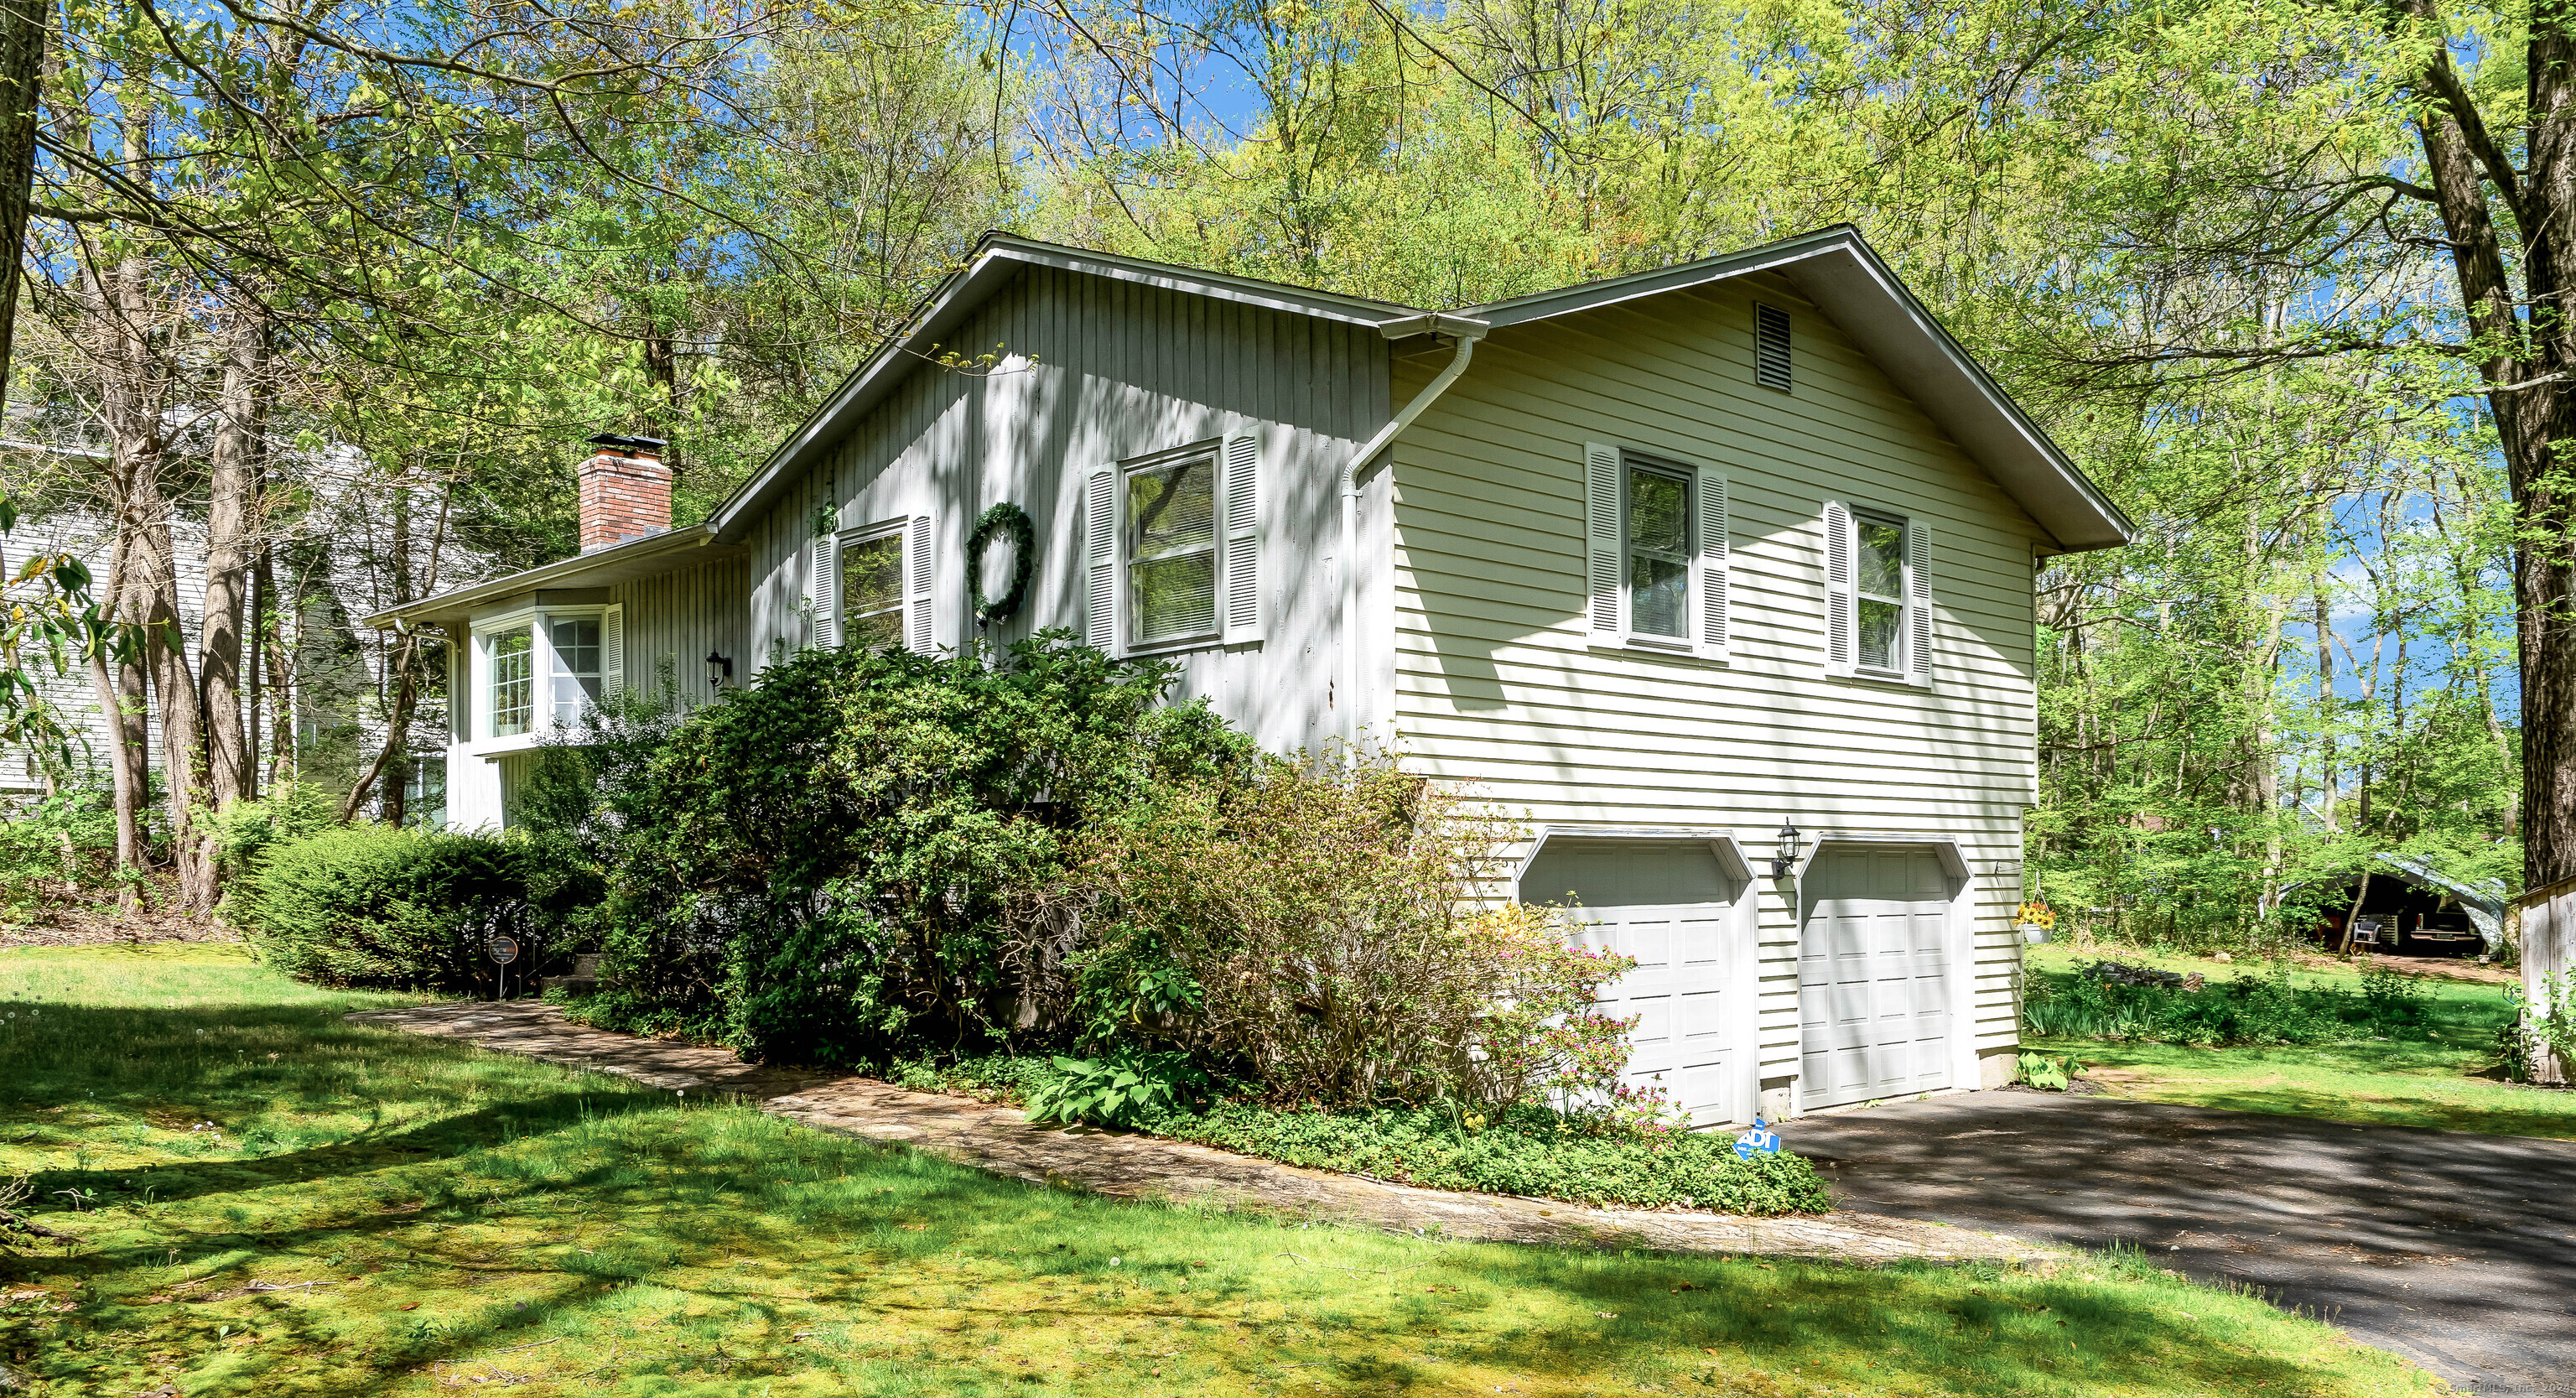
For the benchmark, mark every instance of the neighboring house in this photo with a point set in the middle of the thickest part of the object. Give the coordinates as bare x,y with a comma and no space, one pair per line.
1671,562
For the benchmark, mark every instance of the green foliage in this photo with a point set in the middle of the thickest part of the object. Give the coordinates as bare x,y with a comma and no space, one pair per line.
2249,1009
1523,1150
838,861
1122,1090
369,905
245,834
1312,922
2545,1025
56,849
2048,1074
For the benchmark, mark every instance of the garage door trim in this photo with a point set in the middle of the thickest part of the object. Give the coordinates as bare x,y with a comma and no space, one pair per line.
1958,930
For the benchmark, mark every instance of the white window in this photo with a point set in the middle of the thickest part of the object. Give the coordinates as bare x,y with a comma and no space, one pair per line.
871,587
1658,552
872,591
1173,544
513,670
545,669
1878,595
575,681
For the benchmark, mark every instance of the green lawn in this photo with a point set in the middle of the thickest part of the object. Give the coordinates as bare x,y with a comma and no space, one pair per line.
274,1202
2445,1077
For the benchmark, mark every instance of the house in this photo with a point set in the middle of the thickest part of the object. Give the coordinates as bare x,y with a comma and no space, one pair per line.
1721,572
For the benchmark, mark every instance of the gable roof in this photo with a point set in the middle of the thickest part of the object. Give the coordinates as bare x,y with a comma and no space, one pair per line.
1833,267
1844,276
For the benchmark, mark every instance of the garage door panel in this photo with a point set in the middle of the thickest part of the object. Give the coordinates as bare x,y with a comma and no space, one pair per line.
1874,978
1664,905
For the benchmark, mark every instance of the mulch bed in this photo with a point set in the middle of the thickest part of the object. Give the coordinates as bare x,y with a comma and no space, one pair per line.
102,924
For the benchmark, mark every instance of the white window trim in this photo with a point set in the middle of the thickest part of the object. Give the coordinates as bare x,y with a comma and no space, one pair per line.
1213,449
1911,665
1711,560
482,741
847,539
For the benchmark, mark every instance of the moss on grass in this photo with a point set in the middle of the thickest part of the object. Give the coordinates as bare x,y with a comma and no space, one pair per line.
387,1214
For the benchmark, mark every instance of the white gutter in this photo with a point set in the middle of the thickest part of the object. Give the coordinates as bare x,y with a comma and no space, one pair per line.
1467,333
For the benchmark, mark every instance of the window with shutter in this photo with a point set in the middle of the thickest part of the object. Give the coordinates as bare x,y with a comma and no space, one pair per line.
1656,552
1878,589
870,589
1170,538
1771,347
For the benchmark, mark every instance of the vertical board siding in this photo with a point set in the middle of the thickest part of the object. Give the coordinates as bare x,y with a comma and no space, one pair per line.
1097,371
1496,682
674,620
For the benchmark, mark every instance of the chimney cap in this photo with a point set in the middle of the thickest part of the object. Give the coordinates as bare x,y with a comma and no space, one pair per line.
649,446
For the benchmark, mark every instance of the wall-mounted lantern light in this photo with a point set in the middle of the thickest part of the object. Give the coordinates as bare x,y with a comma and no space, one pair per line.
1785,858
719,670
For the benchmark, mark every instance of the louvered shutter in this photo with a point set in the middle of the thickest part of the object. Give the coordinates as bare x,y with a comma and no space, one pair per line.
612,651
824,590
1918,603
1771,347
1716,547
1601,535
1100,554
916,578
1242,539
1839,600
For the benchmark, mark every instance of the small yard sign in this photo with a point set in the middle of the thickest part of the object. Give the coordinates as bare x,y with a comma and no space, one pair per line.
505,949
1761,1140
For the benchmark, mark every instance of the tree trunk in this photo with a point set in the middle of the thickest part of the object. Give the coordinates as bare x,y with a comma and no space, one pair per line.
177,702
231,521
117,681
22,60
2526,366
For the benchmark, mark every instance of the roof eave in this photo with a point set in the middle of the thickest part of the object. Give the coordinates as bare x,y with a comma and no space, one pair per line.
997,259
619,563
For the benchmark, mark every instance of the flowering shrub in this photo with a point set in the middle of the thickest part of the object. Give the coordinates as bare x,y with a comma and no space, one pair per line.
1324,919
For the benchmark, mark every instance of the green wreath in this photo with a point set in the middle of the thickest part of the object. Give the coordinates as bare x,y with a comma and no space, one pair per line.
1024,547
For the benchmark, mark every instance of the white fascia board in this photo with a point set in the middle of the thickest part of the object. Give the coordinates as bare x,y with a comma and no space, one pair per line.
636,558
998,259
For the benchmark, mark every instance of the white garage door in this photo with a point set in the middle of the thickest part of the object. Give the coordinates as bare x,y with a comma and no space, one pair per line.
1669,905
1873,978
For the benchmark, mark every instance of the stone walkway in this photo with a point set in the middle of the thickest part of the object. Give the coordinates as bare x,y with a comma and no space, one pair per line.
1145,1167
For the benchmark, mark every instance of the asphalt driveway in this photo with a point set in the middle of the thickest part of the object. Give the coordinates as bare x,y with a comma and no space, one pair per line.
2458,1251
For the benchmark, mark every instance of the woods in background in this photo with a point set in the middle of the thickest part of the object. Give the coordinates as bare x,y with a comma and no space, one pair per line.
2230,252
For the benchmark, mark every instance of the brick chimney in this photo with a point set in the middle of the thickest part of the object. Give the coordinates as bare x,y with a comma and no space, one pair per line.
625,491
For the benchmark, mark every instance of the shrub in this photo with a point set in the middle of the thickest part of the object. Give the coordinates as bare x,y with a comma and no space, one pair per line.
1322,921
372,905
1120,1091
2249,1009
1523,1150
245,834
57,849
827,863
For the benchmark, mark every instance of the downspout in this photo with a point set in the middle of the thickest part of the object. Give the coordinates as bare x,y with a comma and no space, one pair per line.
1466,333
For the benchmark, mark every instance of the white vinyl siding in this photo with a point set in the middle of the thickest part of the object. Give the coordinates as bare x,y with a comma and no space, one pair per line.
1504,677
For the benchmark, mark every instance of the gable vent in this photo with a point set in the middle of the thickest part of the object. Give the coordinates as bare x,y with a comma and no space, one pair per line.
1771,347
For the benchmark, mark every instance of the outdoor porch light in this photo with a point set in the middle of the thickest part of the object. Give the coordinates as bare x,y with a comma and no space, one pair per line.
1786,857
719,670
